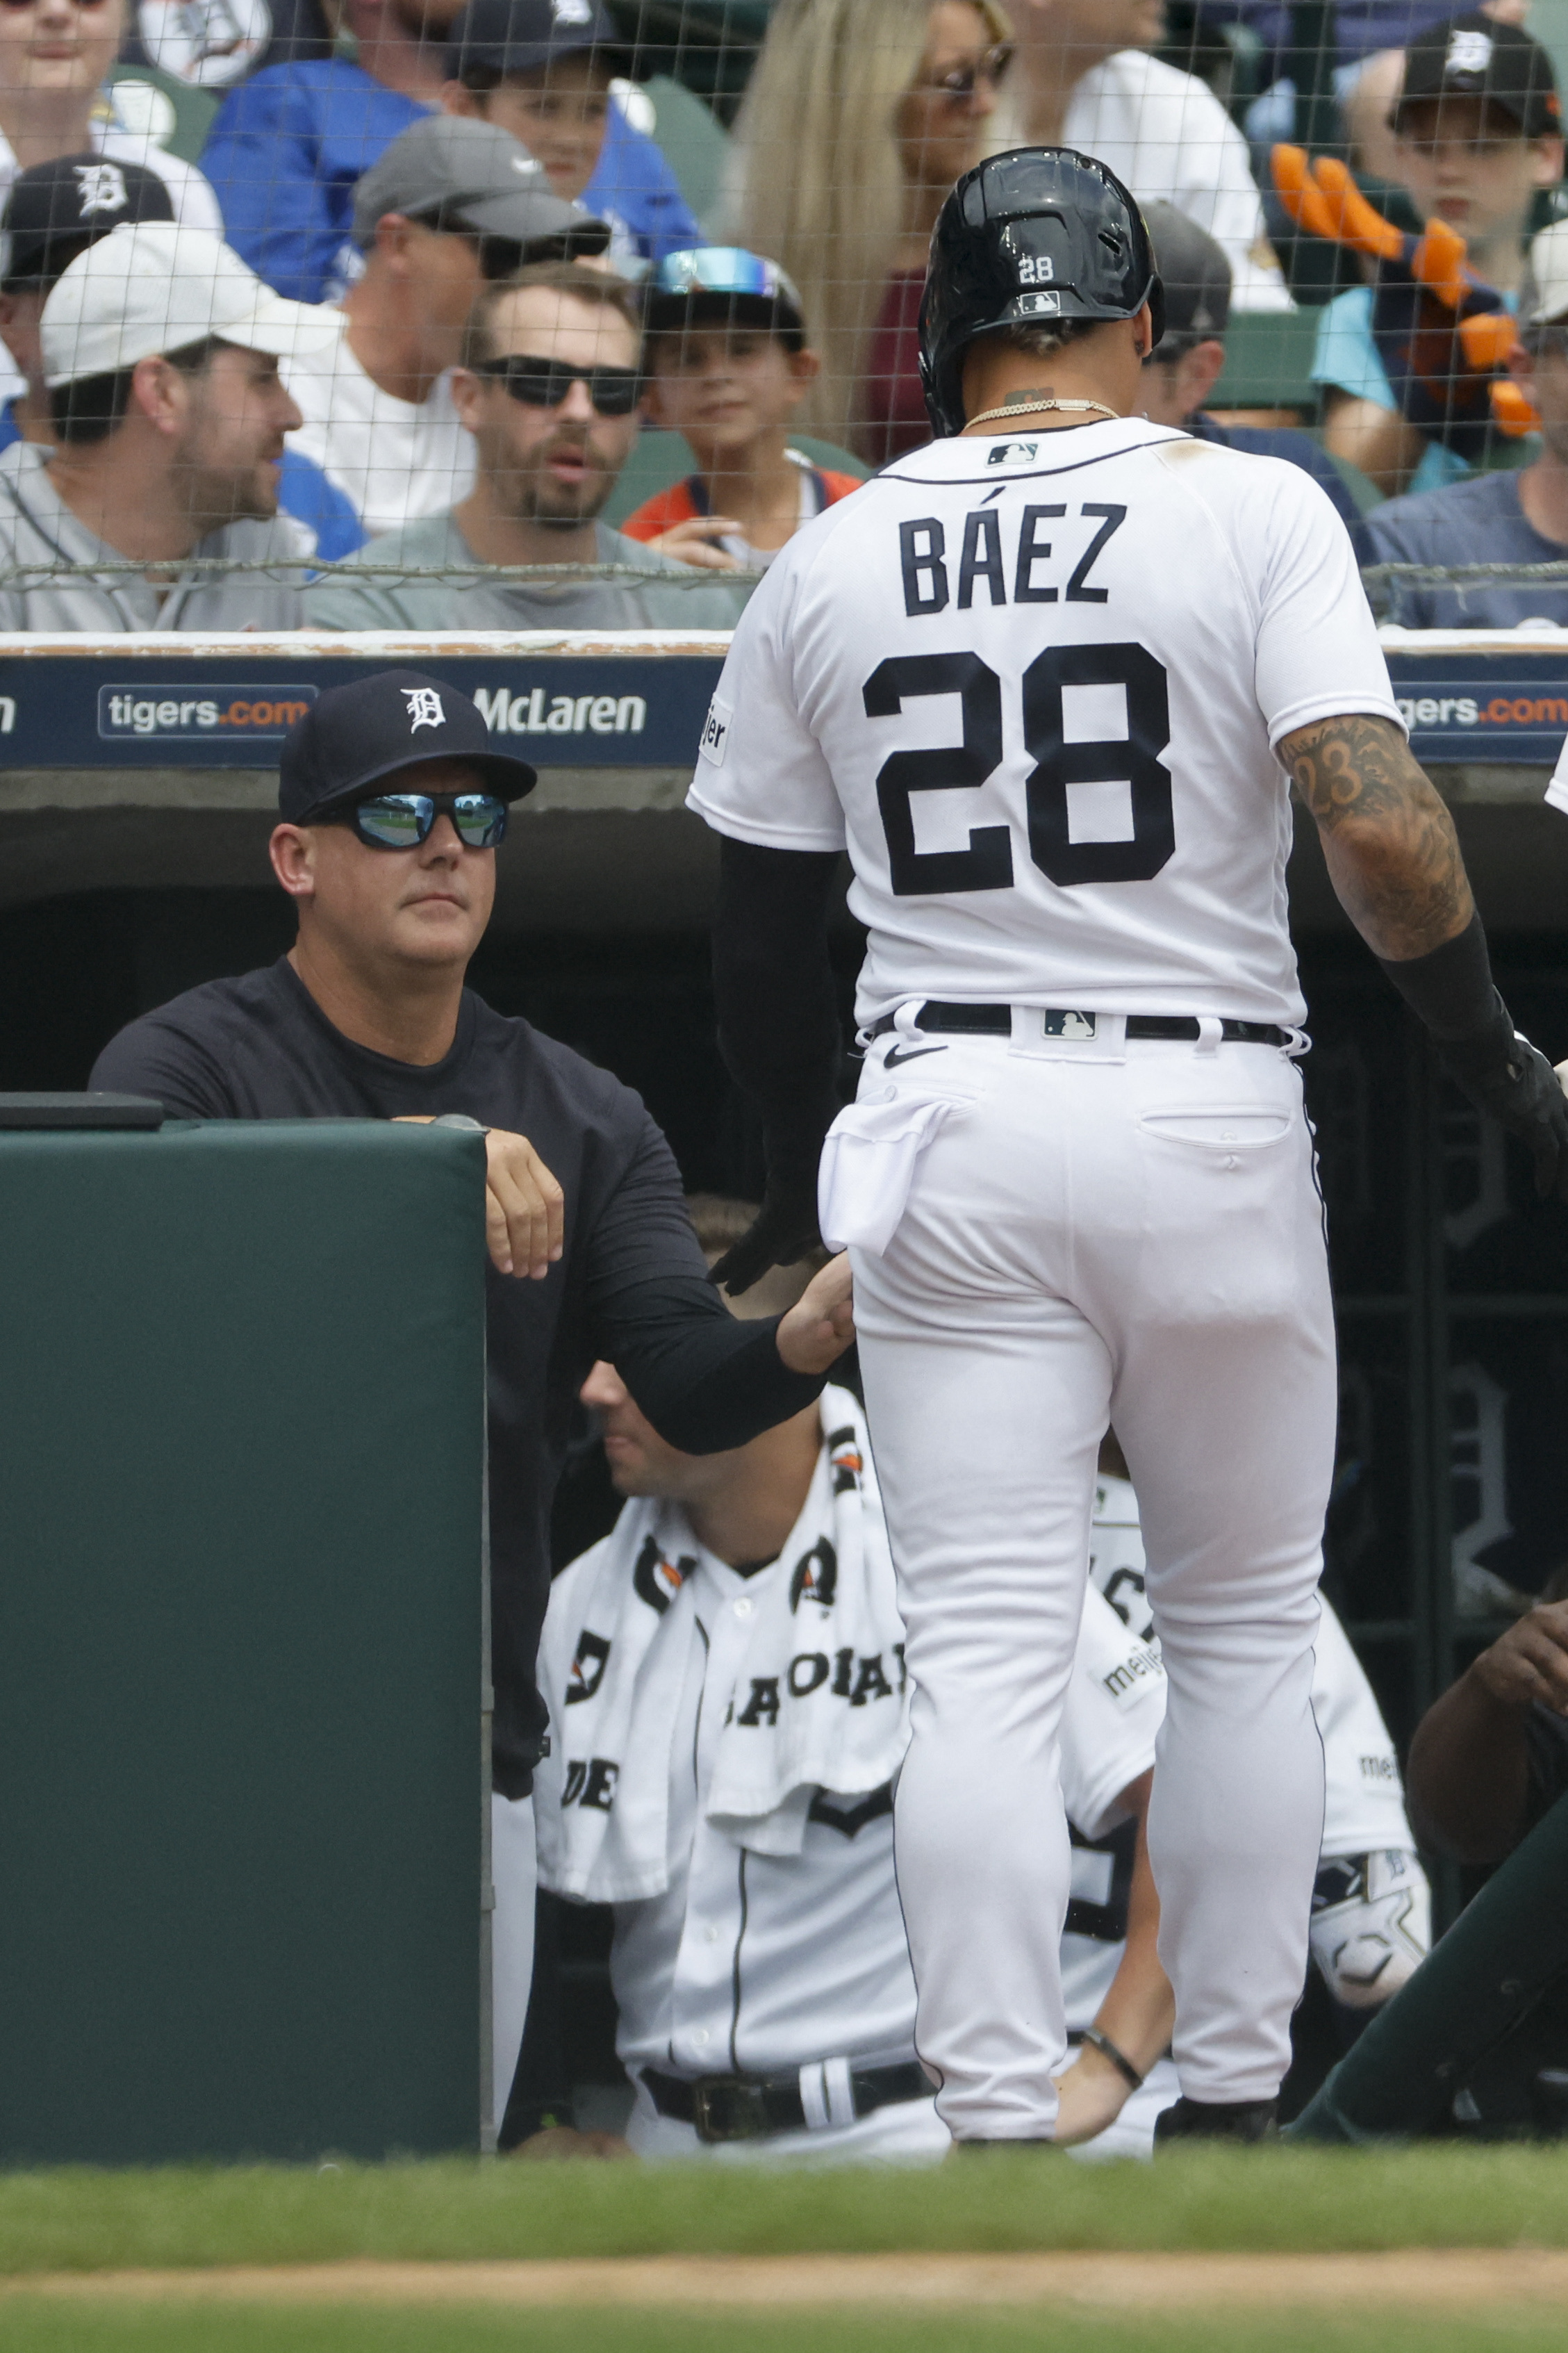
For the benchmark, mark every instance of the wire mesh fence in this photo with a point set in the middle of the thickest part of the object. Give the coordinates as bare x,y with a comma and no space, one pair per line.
614,295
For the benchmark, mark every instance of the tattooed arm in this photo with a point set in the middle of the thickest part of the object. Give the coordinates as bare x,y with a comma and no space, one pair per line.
1395,860
1393,857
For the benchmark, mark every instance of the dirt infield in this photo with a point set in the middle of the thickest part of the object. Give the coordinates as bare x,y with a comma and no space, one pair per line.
1526,2278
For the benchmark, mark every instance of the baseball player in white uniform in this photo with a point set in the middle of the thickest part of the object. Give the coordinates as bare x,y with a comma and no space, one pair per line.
1045,681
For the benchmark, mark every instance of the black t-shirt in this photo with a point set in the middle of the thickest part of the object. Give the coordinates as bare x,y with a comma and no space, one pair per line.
630,1285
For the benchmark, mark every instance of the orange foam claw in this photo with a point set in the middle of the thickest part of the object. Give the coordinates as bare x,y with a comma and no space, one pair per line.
1357,223
1439,263
1300,193
1515,412
1487,340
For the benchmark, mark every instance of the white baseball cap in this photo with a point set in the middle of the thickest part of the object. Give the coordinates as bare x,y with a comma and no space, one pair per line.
151,287
1545,296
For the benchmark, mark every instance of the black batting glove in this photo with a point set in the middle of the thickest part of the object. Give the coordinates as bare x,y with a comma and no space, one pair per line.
784,1230
1503,1074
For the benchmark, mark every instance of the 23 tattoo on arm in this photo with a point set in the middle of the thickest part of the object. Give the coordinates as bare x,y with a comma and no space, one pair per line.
1393,855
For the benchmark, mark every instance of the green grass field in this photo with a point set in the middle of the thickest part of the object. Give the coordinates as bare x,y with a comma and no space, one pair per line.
1281,2201
37,2328
1309,2201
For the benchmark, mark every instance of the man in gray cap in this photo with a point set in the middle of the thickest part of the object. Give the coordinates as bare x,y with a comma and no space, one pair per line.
1189,359
450,205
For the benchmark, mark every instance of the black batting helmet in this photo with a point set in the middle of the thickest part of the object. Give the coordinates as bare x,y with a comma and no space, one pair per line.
1036,235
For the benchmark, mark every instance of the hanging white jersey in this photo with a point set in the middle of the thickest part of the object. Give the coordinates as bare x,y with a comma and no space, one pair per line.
1033,686
1363,1798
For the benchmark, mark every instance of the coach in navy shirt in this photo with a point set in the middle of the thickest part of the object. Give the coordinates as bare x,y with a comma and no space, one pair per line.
391,804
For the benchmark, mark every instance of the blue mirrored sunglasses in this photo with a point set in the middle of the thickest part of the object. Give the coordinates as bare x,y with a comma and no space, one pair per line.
403,820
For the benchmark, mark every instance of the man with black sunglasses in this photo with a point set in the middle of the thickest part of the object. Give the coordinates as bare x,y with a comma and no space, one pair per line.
550,390
450,206
392,803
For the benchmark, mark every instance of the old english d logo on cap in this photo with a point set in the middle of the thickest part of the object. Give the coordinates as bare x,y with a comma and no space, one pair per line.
425,707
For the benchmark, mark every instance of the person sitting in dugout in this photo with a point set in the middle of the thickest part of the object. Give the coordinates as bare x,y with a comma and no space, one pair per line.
160,354
728,364
393,802
1491,1756
741,1613
551,390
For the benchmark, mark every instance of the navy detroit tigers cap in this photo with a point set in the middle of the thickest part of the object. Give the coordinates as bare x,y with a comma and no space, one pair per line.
362,734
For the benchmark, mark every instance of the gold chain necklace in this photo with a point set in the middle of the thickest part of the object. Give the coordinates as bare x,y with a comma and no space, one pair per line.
1029,407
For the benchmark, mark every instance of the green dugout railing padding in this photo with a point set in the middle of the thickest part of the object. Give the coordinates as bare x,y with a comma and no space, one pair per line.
242,1771
1477,1986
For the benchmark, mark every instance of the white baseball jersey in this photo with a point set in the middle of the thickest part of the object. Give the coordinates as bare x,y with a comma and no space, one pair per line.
758,1964
1006,677
1364,1800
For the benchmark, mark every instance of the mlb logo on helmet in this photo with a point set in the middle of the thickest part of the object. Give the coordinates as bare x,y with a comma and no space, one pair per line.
1037,306
571,12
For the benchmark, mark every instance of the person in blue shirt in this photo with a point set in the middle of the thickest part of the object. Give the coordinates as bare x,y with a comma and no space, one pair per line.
1507,518
543,69
288,147
53,212
1187,362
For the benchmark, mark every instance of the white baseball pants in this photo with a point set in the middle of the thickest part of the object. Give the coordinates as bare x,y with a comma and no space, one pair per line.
1125,1232
513,1875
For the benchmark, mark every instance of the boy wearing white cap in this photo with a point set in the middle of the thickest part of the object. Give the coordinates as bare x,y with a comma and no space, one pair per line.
160,355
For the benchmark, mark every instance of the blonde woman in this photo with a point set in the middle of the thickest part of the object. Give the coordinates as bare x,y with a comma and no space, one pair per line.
860,117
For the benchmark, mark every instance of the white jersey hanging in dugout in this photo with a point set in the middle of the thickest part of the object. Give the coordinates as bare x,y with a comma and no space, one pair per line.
1005,676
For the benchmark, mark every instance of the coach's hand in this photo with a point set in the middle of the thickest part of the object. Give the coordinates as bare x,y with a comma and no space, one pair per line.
784,1230
1528,1664
821,1325
525,1209
1091,2094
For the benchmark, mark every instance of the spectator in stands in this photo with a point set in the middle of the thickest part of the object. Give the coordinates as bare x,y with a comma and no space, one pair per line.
449,205
289,145
858,118
160,355
1367,39
546,72
1083,77
1491,1756
54,58
551,389
1189,359
1478,135
1497,518
728,365
54,212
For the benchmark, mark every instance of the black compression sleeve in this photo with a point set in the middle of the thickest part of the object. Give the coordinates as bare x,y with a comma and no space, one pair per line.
705,1381
1450,989
773,984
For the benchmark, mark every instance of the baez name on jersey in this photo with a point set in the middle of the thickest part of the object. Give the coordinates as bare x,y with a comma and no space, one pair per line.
1008,561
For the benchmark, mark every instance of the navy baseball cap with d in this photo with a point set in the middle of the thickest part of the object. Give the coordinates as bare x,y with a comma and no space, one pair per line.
354,737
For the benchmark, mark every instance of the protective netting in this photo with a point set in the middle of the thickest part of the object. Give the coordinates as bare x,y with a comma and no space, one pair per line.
1352,206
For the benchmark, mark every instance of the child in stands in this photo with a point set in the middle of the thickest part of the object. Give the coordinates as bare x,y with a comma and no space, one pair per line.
728,364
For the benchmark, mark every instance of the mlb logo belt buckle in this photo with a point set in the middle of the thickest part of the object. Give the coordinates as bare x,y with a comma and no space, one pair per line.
1063,1022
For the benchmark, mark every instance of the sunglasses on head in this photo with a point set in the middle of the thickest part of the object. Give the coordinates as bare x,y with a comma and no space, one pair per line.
403,820
545,384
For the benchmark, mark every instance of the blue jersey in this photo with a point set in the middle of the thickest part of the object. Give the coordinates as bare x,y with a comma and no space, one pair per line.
303,491
287,148
283,156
